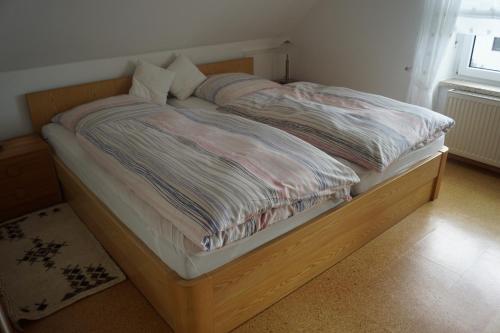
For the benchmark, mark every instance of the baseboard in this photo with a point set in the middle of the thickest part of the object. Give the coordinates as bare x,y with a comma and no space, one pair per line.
474,163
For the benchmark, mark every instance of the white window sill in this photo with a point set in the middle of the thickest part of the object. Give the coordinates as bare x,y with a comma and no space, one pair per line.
474,87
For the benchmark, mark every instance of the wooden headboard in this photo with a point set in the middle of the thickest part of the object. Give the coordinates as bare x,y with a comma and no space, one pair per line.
43,105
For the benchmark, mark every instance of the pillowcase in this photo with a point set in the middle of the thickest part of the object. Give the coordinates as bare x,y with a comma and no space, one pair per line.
70,119
151,82
187,77
220,89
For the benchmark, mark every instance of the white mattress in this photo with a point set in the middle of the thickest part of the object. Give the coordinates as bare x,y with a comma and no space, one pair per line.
169,244
369,178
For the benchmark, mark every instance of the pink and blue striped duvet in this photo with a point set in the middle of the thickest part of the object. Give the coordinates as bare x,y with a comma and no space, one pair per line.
369,130
216,176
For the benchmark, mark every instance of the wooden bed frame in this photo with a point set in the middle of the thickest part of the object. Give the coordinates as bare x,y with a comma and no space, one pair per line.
228,296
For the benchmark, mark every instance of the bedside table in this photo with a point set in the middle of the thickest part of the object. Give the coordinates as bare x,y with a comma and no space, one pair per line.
28,178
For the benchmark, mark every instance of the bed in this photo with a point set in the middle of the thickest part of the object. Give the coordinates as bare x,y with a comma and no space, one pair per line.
250,277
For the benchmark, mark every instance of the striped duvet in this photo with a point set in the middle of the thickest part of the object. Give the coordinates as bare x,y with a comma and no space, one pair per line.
369,130
216,176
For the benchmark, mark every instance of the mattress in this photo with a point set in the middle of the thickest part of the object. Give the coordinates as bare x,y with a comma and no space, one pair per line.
169,244
369,178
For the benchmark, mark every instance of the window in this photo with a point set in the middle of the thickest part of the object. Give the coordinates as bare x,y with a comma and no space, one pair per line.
485,53
480,57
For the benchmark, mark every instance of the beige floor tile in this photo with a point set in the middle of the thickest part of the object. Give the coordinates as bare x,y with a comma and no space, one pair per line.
352,322
376,256
473,191
471,304
452,247
494,250
481,283
118,309
266,322
472,315
494,325
398,297
421,276
391,305
432,321
323,305
320,306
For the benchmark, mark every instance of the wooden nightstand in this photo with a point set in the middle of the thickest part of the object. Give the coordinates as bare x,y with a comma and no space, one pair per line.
28,179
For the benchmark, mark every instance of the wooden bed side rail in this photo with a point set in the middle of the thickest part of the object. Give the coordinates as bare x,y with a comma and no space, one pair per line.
228,296
248,285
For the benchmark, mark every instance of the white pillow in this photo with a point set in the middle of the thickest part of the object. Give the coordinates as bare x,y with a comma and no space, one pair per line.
187,77
151,82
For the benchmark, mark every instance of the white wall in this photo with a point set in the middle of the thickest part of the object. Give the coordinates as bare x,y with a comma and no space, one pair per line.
37,33
14,117
447,70
53,43
360,44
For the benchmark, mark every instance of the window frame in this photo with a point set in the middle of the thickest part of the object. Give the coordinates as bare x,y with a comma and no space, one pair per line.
464,68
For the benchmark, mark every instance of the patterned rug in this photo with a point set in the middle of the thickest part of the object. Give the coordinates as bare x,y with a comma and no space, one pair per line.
50,260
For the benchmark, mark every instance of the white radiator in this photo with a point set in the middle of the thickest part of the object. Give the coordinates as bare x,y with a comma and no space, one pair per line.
476,134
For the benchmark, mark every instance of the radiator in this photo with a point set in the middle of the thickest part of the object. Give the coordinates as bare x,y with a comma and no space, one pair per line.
476,134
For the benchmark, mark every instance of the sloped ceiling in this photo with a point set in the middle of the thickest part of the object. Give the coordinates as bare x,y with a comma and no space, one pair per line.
36,33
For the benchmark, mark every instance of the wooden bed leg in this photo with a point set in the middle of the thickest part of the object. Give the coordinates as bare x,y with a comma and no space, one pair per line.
195,301
439,179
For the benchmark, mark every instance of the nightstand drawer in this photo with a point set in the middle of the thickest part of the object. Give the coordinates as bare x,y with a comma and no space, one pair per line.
20,197
28,179
25,168
21,208
18,192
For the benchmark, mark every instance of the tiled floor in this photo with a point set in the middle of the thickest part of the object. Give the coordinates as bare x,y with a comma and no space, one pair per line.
436,271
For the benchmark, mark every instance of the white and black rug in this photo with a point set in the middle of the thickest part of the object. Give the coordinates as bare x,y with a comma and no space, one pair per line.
49,260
